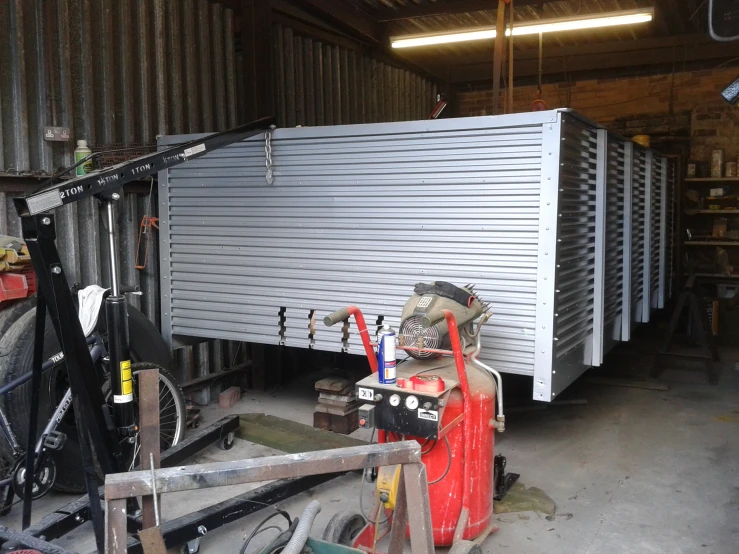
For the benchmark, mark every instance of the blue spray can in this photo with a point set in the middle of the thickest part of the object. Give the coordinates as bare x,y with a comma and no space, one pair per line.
386,355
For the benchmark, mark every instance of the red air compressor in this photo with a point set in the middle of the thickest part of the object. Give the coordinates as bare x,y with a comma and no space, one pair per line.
444,398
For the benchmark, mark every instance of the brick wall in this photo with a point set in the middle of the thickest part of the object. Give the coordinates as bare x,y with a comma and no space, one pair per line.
659,104
715,127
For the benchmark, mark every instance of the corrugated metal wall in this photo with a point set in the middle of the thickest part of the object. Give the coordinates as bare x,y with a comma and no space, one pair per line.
121,72
115,71
323,84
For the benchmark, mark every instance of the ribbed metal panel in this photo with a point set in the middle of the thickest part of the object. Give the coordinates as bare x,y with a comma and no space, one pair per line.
614,241
357,215
614,229
670,227
576,238
656,238
325,84
638,229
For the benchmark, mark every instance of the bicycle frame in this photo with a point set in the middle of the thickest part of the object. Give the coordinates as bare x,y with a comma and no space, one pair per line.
96,352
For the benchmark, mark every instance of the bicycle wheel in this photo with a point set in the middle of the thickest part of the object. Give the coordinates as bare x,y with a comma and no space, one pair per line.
172,411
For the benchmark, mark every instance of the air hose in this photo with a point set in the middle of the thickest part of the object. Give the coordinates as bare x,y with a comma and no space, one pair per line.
300,536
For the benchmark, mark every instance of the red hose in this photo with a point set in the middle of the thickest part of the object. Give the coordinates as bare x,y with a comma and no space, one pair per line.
364,334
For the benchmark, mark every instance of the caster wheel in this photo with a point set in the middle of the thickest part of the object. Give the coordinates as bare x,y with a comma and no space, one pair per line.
227,442
344,527
465,547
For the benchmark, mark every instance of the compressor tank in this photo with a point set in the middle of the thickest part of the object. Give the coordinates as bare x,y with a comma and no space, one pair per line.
446,475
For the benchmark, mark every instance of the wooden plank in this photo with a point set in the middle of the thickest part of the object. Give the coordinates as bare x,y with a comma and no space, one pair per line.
198,382
237,472
290,436
498,53
149,434
349,17
418,506
596,57
115,526
400,521
412,11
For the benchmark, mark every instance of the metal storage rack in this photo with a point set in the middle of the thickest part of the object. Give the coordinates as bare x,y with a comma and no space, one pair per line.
555,219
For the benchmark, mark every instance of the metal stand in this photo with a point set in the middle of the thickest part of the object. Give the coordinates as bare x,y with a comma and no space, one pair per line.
697,314
412,507
99,430
94,424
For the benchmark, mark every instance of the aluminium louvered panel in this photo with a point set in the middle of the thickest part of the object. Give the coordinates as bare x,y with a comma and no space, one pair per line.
670,227
614,242
357,215
576,237
527,206
639,226
657,240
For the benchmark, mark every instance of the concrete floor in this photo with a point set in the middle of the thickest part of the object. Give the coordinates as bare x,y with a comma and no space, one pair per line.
632,471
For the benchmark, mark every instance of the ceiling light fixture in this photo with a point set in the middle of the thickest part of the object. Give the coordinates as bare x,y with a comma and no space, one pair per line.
611,19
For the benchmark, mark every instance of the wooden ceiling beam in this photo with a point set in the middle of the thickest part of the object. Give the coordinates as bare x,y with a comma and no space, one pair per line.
345,15
413,11
428,56
595,58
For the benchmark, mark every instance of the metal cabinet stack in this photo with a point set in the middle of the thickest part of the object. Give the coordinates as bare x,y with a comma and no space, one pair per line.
564,227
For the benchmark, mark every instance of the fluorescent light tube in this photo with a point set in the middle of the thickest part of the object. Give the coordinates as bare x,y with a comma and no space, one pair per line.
553,25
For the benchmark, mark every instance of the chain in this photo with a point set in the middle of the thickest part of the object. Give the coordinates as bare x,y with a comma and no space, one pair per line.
268,154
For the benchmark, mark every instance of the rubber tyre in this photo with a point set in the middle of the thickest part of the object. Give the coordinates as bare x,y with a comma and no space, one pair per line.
16,358
10,312
465,547
344,527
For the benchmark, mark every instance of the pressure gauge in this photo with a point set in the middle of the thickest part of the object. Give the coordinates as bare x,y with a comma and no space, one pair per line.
411,402
395,400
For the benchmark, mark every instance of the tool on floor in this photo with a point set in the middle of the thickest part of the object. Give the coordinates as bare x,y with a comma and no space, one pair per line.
692,298
444,398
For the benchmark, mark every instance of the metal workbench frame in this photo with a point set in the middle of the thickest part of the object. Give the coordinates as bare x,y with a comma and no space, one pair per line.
412,507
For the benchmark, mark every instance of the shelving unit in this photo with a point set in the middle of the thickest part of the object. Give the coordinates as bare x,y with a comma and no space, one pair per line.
711,243
711,179
715,276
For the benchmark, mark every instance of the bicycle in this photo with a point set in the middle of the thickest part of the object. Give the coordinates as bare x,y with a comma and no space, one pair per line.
172,420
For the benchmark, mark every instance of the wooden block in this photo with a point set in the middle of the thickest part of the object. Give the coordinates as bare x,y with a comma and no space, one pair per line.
322,420
343,424
229,397
335,385
337,410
